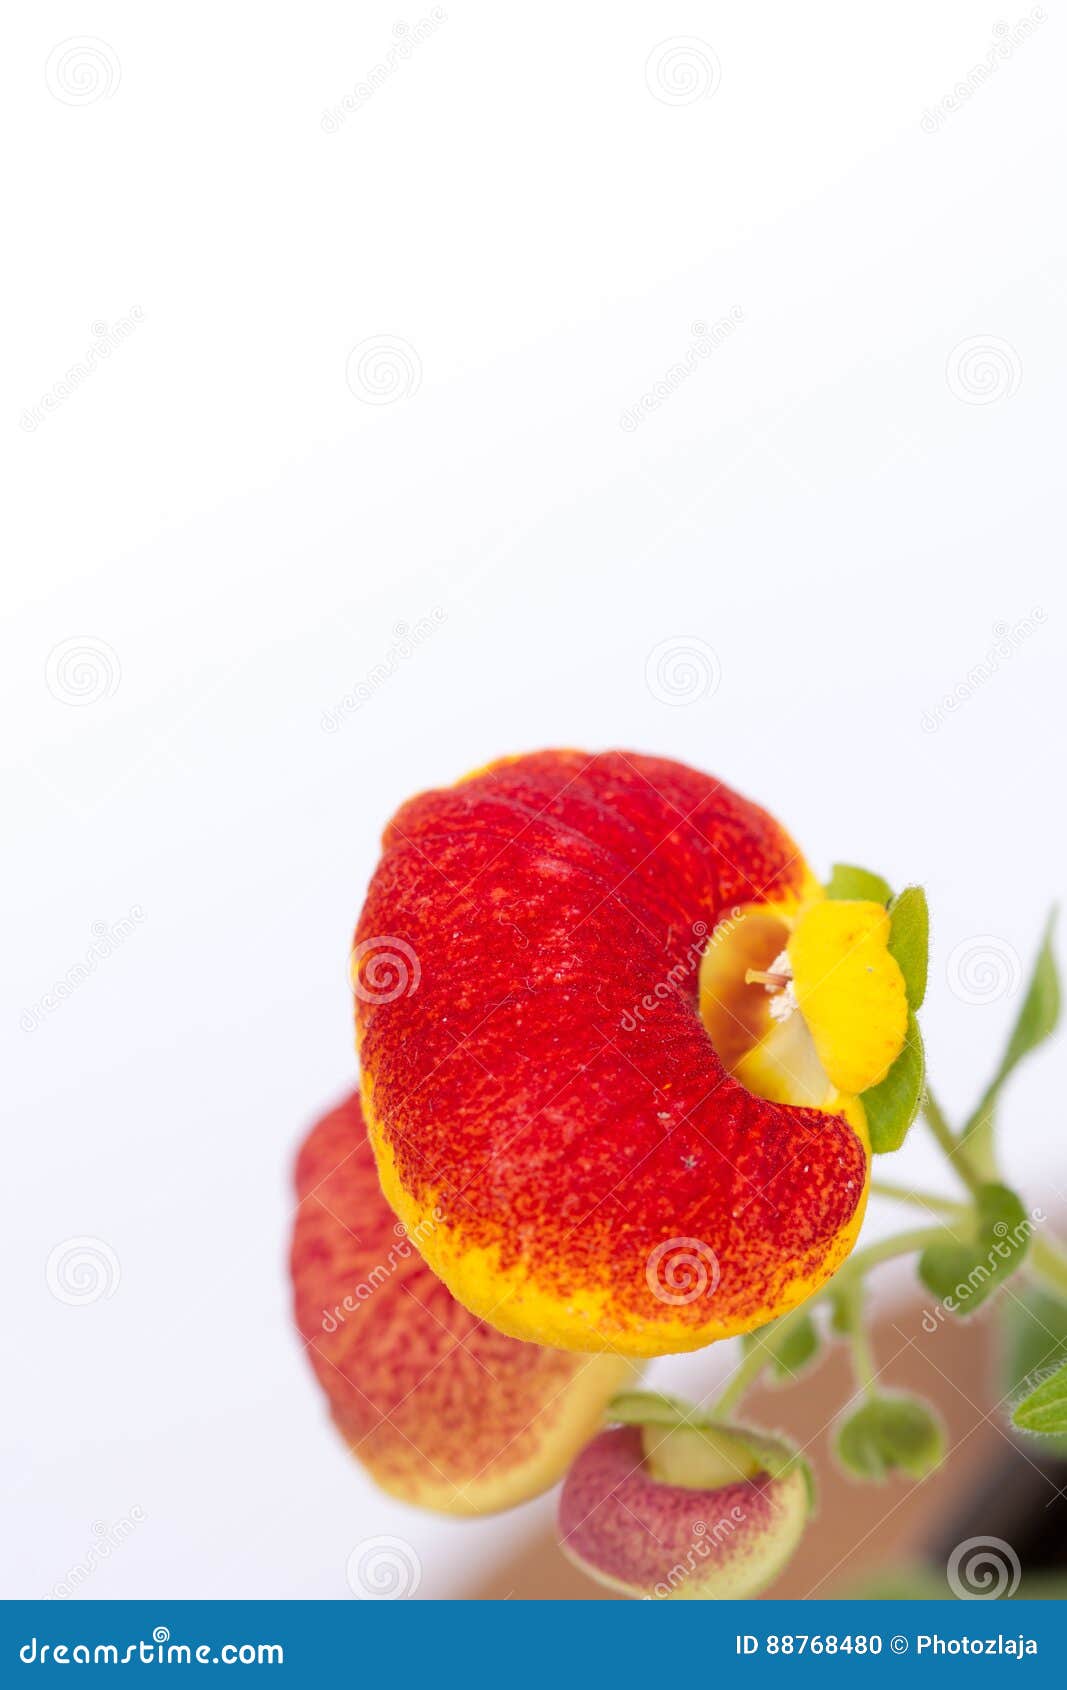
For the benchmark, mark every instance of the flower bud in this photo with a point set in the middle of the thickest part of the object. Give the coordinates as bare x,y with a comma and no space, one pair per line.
679,1506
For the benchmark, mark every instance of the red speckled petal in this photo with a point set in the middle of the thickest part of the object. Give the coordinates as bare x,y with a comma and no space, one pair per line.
443,1409
543,899
664,1540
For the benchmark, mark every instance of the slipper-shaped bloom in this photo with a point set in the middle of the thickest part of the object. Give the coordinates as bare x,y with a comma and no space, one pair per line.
699,1512
613,1035
443,1410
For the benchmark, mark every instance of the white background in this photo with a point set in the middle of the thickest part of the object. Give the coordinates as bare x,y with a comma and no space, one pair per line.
826,502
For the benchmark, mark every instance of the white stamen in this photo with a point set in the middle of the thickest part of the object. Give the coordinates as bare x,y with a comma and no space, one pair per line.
783,999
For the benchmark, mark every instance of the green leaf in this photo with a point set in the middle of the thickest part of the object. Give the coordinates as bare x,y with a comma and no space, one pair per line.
1034,1324
848,881
909,941
790,1353
1045,1409
964,1275
1037,1019
891,1434
892,1105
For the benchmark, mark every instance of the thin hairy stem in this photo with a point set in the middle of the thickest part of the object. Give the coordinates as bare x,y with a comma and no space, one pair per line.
858,1264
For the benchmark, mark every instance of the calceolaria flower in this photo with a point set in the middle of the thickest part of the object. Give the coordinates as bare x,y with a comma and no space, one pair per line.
616,1037
671,1505
442,1410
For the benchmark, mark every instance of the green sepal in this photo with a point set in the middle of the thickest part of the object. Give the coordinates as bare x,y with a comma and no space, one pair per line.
963,1276
654,1408
909,941
848,881
789,1353
891,1433
892,1105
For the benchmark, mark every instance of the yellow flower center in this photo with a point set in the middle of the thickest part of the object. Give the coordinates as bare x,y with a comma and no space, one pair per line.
804,1003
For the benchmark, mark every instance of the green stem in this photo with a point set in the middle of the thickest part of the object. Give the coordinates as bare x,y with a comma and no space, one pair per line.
859,1263
862,1356
849,1311
1048,1264
937,1121
745,1374
1046,1261
920,1199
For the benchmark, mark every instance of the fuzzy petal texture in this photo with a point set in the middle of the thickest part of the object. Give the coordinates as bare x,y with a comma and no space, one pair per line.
443,1410
667,1541
536,1070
